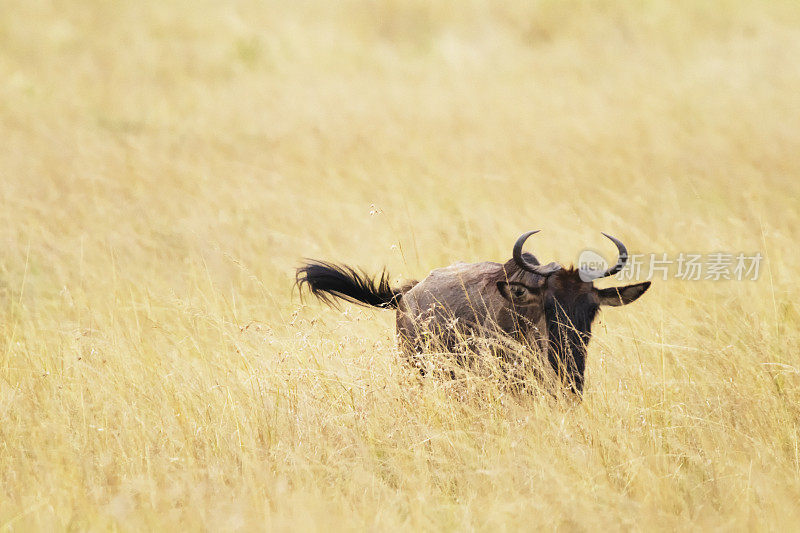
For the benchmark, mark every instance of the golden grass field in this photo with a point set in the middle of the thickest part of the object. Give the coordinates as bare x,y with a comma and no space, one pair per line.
164,167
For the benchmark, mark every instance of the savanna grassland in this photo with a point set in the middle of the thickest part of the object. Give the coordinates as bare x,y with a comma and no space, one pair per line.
164,166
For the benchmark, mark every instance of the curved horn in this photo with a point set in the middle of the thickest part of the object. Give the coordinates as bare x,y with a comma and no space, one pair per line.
524,264
621,260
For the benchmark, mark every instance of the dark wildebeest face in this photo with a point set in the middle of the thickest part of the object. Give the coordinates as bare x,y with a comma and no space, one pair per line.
569,302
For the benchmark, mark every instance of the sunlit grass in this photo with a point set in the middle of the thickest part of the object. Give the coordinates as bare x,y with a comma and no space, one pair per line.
165,166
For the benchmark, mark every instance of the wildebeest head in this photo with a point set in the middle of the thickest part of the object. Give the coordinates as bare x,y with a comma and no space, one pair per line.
568,300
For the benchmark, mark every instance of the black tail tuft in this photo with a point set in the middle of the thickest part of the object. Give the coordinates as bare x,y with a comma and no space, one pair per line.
326,280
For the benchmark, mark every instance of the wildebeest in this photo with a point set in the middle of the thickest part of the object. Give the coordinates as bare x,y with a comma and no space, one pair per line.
548,308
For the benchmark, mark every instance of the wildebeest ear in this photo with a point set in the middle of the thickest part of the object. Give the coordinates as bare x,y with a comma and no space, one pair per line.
518,293
622,295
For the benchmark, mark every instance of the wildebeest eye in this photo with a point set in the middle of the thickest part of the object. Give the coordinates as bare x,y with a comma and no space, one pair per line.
517,293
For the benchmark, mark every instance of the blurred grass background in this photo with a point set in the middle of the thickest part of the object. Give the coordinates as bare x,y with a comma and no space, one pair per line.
165,165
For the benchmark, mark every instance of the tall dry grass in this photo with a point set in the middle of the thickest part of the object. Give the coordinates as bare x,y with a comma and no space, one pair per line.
164,166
